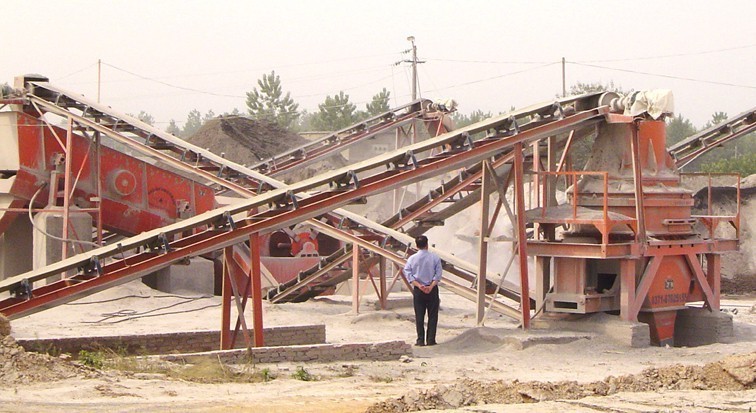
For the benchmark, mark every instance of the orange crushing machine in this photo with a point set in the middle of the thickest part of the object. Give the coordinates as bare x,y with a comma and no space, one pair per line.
630,242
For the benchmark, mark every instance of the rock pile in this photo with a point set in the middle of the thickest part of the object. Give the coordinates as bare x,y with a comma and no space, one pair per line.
248,141
20,367
733,373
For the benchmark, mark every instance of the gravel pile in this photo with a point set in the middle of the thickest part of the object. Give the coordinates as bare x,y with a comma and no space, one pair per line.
733,374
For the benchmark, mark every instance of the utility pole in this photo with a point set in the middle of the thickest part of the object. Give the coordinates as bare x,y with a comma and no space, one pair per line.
99,78
414,67
564,83
414,62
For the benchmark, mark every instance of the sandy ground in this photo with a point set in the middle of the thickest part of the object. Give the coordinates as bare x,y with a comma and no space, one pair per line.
463,352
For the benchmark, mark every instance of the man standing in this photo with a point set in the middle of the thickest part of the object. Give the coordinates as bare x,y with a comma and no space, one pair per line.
423,272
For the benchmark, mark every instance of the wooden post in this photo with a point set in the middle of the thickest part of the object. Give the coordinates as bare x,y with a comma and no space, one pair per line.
483,243
521,236
356,278
257,320
225,336
382,282
713,265
67,189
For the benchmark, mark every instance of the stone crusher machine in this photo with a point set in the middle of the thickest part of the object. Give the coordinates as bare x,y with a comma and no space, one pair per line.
626,241
110,183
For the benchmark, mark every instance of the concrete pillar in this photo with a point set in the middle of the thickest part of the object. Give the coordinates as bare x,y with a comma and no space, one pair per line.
48,250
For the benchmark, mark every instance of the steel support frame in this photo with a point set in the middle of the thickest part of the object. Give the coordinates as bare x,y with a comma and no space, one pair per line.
205,242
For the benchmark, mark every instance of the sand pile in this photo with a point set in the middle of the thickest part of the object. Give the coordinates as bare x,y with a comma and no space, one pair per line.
732,374
248,141
20,367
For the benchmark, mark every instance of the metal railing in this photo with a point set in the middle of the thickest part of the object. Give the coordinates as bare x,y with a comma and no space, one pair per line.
711,200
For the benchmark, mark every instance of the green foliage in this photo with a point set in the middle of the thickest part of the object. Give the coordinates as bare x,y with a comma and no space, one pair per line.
192,124
173,129
335,113
144,117
269,103
744,165
210,115
460,120
379,104
302,374
94,359
266,375
581,88
679,128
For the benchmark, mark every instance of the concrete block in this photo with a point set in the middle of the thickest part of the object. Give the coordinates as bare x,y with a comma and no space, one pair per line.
48,250
627,333
16,250
699,327
197,277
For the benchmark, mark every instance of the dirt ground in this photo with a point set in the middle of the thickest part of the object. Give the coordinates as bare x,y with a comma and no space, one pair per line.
470,365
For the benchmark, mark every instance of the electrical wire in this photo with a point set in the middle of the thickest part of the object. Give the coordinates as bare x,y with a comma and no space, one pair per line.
31,220
110,300
133,314
510,62
495,77
76,72
670,55
664,76
172,85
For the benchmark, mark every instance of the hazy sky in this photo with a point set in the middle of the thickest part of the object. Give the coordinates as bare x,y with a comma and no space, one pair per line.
488,55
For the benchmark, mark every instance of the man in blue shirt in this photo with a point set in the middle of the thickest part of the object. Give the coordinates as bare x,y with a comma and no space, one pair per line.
423,272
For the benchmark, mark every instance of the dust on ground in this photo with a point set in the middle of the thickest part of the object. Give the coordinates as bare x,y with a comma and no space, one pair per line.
18,366
735,373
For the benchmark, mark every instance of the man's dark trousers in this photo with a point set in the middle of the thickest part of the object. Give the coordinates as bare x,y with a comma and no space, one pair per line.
426,302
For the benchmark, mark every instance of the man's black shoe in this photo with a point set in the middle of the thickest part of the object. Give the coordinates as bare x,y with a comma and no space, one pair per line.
419,344
431,343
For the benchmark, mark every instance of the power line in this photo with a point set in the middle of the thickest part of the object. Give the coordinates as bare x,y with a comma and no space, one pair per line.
78,71
172,85
671,55
505,62
664,76
495,77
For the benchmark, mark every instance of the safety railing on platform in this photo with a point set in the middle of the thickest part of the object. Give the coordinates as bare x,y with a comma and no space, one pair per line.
576,181
717,197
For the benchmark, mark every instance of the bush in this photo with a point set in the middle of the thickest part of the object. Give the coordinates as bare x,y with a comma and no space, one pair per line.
94,359
745,165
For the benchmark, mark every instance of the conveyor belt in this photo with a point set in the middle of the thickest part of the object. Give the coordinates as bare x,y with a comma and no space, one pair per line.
137,256
685,151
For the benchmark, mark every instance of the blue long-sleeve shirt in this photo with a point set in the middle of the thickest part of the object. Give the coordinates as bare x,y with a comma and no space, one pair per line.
423,266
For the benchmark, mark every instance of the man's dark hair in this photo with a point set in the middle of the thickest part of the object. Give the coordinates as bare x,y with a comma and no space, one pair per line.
421,242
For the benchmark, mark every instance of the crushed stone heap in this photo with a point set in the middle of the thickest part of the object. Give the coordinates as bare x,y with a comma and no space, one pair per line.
245,141
17,366
248,141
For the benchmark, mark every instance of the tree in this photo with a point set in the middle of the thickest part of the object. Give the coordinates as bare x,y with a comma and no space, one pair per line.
210,115
144,117
269,103
736,156
335,113
460,120
581,88
744,165
192,124
173,129
679,128
379,104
